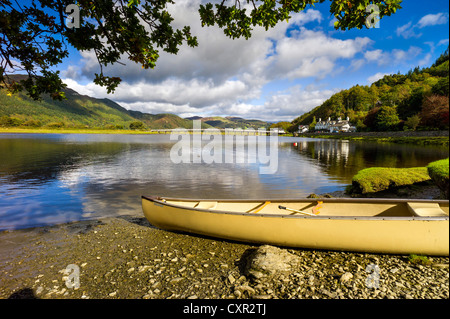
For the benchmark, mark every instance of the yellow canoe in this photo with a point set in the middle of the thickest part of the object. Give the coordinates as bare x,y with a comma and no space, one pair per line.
393,226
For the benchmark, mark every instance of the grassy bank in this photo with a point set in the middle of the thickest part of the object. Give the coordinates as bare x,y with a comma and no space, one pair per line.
415,140
439,173
378,179
70,131
92,131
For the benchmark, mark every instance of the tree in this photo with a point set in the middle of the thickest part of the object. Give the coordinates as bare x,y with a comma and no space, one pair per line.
412,122
435,112
312,126
441,87
35,36
387,118
442,58
281,125
370,119
137,125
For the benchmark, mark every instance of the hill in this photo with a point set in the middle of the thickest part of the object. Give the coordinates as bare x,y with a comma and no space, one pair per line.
416,100
82,111
231,122
78,111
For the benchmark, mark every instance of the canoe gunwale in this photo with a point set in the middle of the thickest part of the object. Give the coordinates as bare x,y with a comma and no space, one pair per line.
159,200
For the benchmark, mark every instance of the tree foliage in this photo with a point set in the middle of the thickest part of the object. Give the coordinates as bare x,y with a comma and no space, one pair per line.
137,125
35,36
435,111
417,99
387,118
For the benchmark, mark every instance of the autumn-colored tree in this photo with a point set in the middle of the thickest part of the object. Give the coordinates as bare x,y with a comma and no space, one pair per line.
435,112
371,117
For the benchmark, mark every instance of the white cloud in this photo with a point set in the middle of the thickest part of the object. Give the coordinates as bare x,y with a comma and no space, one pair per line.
227,77
313,54
443,42
376,77
357,64
378,56
433,19
402,55
407,31
373,55
296,100
172,91
426,61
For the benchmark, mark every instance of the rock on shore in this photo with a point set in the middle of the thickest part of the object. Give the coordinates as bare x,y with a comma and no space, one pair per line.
126,257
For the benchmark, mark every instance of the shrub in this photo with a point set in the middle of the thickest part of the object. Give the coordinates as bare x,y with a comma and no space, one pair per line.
137,125
412,122
33,123
56,124
6,121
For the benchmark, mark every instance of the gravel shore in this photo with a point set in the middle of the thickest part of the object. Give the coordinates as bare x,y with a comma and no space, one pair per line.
127,258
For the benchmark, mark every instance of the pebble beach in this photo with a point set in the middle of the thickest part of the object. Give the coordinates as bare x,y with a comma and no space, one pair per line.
127,258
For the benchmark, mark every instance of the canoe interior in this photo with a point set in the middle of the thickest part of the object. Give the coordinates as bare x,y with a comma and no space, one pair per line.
328,207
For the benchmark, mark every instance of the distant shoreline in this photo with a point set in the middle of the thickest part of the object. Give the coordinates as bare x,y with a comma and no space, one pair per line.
433,138
13,130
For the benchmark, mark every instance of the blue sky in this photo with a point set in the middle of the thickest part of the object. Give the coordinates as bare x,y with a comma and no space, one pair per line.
276,75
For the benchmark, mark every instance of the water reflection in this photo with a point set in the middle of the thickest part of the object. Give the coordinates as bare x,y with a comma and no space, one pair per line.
55,178
343,159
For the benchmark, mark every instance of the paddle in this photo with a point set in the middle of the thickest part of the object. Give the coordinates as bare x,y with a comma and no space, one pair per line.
315,209
295,210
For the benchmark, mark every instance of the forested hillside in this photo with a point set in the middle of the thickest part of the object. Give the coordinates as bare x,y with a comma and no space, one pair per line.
231,122
79,111
418,100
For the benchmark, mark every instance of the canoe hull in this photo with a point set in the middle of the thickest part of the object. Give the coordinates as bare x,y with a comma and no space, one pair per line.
428,236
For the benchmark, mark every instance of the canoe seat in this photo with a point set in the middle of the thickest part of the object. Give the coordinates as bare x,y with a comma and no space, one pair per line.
426,209
206,205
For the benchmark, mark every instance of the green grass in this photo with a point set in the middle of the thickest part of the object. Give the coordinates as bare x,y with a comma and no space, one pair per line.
439,171
376,179
414,140
70,131
419,260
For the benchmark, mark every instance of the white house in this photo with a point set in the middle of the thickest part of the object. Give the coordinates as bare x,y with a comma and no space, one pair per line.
303,128
334,126
279,130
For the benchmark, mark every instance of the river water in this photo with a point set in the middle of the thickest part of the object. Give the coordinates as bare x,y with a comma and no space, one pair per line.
46,179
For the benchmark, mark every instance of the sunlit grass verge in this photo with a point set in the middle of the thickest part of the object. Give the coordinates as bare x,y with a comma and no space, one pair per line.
71,131
376,179
442,141
439,171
